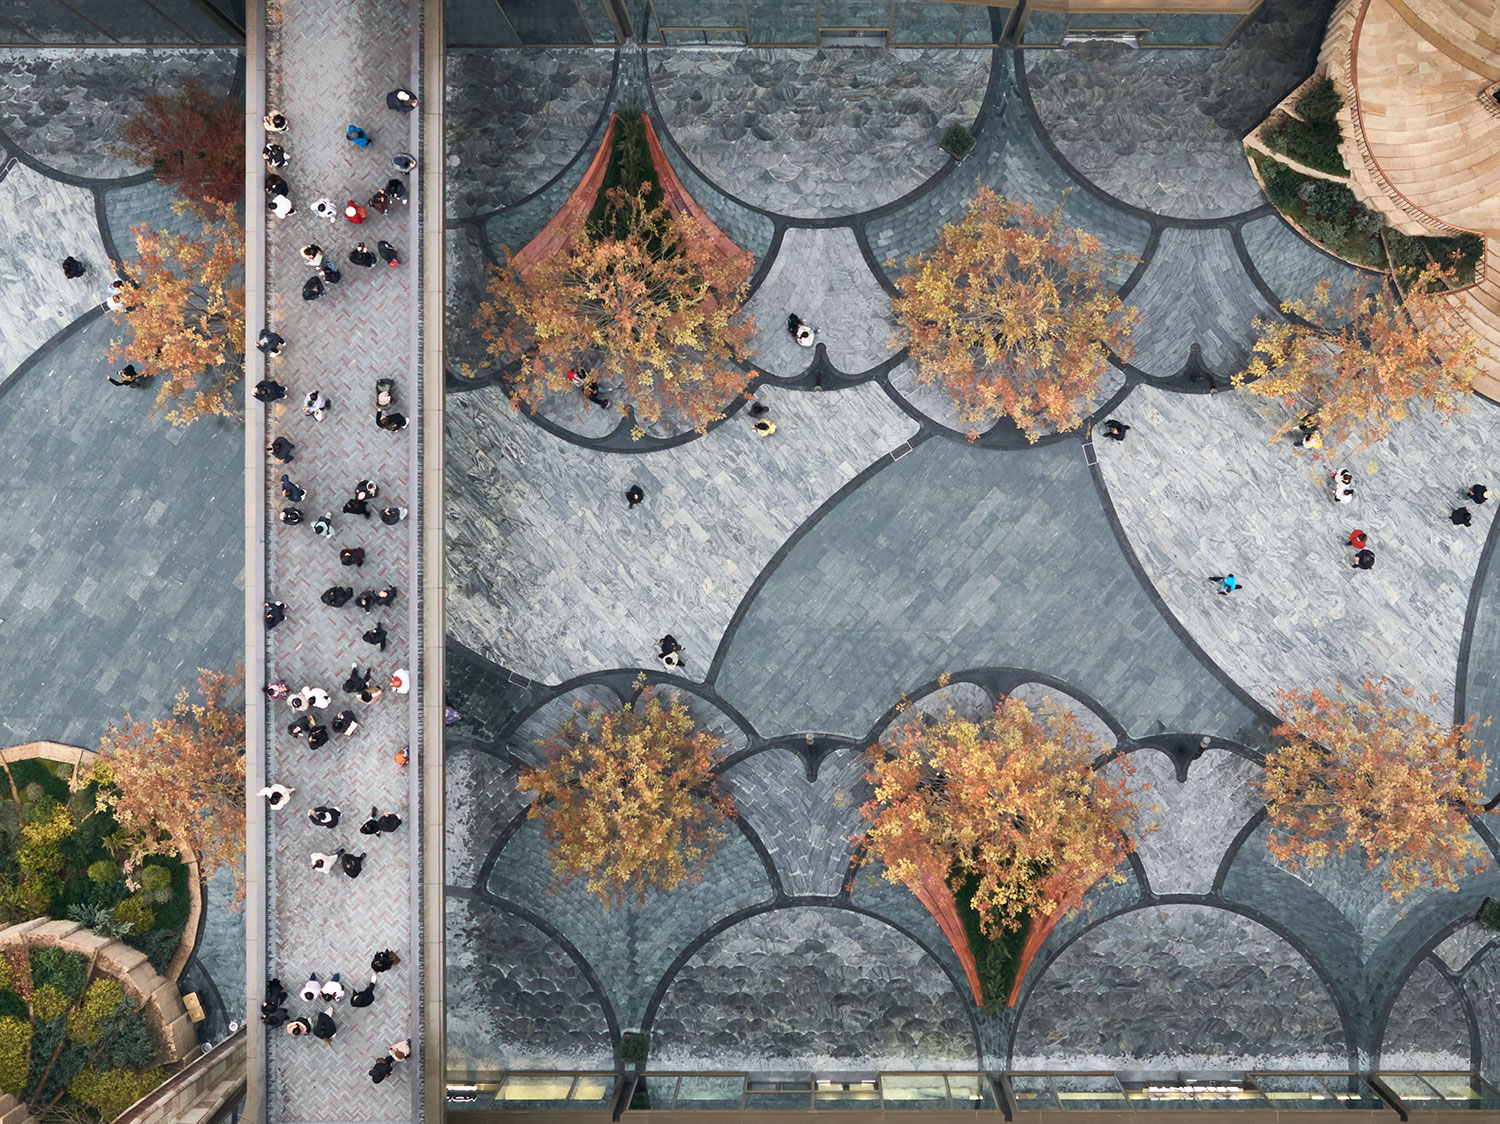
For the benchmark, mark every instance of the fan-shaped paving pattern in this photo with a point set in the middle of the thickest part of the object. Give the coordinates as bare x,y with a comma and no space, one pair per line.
812,989
1426,1029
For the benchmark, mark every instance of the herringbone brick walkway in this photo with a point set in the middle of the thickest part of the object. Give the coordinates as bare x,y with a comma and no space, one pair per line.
330,65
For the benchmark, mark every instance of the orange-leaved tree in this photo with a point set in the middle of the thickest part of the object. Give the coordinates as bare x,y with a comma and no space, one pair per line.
1370,771
180,780
1012,314
186,318
1361,360
650,306
628,798
1010,804
195,142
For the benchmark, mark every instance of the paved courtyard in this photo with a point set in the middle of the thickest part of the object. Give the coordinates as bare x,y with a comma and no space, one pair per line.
818,578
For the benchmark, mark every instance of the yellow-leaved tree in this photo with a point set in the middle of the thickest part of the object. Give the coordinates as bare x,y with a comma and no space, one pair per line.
628,798
647,303
1361,361
1011,313
1367,771
186,317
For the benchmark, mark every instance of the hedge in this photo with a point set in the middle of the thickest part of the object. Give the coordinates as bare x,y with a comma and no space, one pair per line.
1313,143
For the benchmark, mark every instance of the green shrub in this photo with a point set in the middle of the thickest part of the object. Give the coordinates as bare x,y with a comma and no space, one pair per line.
13,1005
1489,913
159,945
172,913
629,168
42,809
633,1048
154,877
1409,256
137,911
67,971
1321,102
45,1037
102,999
15,1046
37,771
104,871
7,972
32,792
996,959
113,1091
69,1065
1315,144
957,142
128,1042
47,1003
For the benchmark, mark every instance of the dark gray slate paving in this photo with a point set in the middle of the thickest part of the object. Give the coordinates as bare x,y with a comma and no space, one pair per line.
1482,986
516,117
805,825
220,955
816,133
630,947
68,107
482,799
1162,129
1179,987
1012,159
112,594
515,998
1422,1032
1291,265
148,204
1196,291
957,557
1481,693
812,988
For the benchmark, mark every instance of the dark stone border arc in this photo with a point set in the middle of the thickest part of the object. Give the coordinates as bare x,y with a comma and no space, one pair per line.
1156,598
21,155
1213,901
1142,263
960,986
49,346
590,144
882,462
1236,845
562,942
1247,263
1426,953
853,218
106,235
1023,88
1471,618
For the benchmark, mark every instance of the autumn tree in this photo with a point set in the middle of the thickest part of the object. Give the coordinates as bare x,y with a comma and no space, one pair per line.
1012,804
1361,361
180,780
186,316
1368,771
650,306
628,798
194,141
1012,314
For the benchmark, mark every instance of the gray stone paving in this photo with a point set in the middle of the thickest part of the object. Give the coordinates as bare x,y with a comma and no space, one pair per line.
1482,986
1194,508
954,558
68,107
1422,1032
331,63
1009,157
149,204
526,510
1195,290
815,133
115,593
853,993
1460,948
220,953
821,276
1482,691
1291,265
516,118
483,798
1045,700
42,222
1179,987
516,999
1162,130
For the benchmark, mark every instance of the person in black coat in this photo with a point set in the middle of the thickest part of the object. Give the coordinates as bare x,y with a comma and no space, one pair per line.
337,595
275,613
312,288
302,727
298,1027
276,993
72,267
401,99
317,737
376,636
388,253
281,448
325,1028
363,997
381,1069
290,490
357,681
323,816
361,255
352,864
356,506
345,722
269,390
384,961
269,342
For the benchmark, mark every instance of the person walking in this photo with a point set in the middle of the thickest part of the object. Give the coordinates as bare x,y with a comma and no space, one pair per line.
393,421
1115,430
1364,559
1478,493
400,1050
323,526
330,273
1358,539
269,390
634,495
274,156
325,209
73,268
317,737
316,697
344,722
312,254
404,162
381,1069
269,342
275,613
670,652
357,136
383,961
357,680
276,795
325,1028
275,121
354,212
312,989
378,202
1343,486
356,506
1227,584
352,864
290,490
366,490
280,206
129,376
302,726
361,255
1460,517
388,253
375,636
395,191
352,556
364,996
312,288
323,816
337,596
282,449
315,405
276,690
291,516
401,99
386,595
764,428
390,516
401,680
298,1028
333,990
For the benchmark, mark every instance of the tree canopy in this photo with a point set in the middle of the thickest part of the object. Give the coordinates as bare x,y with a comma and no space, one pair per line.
1367,771
1009,803
628,799
194,141
1012,314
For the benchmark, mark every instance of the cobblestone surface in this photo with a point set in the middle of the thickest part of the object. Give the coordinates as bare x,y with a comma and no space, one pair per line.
1423,1032
821,276
1196,291
516,999
332,63
116,594
516,117
68,107
860,610
812,989
1162,129
1179,987
42,222
1193,509
1291,265
526,510
815,133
